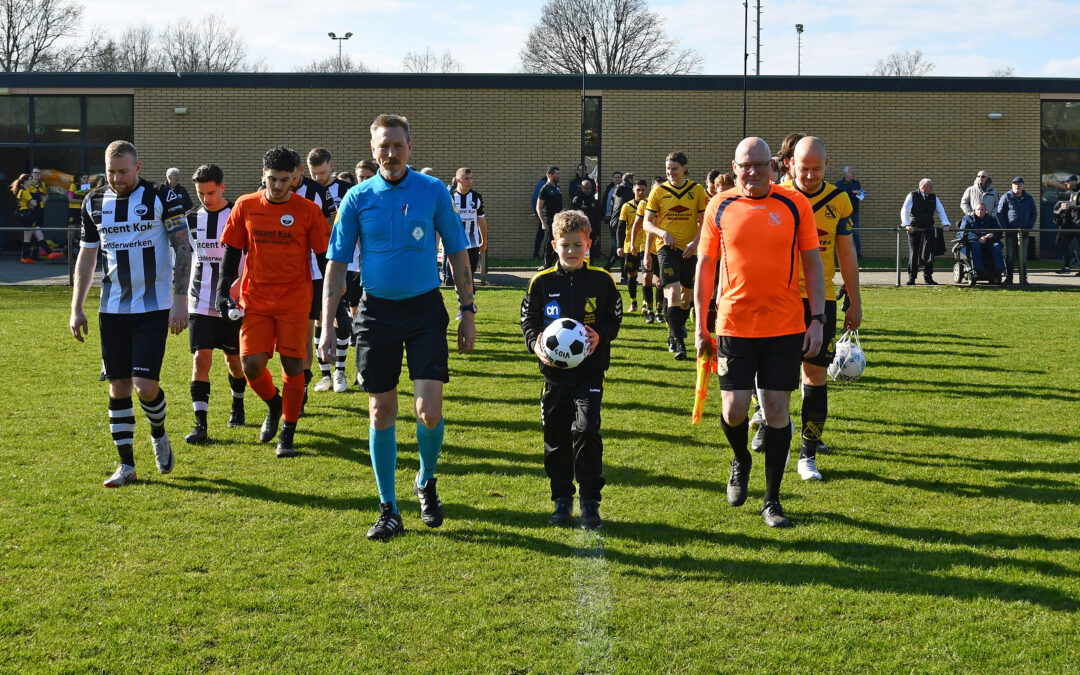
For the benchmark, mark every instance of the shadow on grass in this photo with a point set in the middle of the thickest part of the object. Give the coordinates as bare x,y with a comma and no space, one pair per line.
975,365
1042,494
269,494
942,459
975,391
879,426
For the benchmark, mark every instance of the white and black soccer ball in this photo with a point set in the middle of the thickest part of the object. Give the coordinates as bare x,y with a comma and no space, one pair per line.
565,341
849,363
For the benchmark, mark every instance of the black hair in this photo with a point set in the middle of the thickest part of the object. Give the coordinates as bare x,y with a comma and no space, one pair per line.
552,169
280,158
209,173
642,182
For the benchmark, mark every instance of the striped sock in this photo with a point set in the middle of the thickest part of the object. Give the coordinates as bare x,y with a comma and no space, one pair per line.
122,427
239,388
342,353
155,413
200,400
324,366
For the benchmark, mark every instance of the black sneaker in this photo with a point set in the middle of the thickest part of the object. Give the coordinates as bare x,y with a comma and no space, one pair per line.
930,282
670,342
388,524
285,441
197,435
736,486
909,282
270,424
1063,270
430,507
680,349
236,417
774,515
564,511
590,514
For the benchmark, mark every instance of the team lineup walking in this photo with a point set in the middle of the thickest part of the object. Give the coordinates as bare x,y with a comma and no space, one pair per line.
309,265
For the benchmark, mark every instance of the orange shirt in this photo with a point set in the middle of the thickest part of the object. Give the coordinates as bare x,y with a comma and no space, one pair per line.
278,239
758,242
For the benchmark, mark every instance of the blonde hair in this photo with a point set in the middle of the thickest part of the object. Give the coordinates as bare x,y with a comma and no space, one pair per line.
570,221
120,148
387,121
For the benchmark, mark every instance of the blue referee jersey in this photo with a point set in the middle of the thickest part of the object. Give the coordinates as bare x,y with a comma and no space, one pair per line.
395,226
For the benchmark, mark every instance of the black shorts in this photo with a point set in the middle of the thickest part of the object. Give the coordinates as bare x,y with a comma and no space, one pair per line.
353,289
655,264
133,345
316,299
383,327
631,264
772,362
828,333
674,268
213,332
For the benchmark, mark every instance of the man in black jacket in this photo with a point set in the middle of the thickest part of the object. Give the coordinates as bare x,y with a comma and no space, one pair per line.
917,217
624,192
586,202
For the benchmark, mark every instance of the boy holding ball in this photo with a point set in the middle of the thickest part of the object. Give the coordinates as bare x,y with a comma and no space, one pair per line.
570,403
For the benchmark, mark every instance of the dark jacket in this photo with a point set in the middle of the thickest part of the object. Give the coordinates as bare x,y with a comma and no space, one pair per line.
592,208
589,295
986,226
850,187
623,193
1016,212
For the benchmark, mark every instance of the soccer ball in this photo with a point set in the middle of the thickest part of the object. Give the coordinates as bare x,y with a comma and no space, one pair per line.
849,363
564,342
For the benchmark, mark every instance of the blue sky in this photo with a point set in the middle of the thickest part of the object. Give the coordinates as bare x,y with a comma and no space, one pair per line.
961,37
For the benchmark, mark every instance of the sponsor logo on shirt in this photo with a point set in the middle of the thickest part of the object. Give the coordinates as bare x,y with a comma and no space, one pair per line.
140,210
552,310
774,218
830,212
287,220
418,233
679,208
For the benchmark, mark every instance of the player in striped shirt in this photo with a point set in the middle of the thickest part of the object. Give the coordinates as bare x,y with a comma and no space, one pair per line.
321,168
208,330
142,296
470,207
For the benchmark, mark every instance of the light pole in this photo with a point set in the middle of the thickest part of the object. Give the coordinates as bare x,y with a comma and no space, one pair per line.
584,67
333,36
798,37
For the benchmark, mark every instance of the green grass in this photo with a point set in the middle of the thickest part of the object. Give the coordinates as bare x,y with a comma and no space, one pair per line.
943,540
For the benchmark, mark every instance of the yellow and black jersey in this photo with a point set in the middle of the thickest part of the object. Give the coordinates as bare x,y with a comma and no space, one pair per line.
628,216
24,198
832,213
39,194
677,209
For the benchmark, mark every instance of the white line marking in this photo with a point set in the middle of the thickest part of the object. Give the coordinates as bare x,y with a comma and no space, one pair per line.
594,604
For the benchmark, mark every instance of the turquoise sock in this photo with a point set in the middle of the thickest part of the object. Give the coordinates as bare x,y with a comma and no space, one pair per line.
382,443
429,442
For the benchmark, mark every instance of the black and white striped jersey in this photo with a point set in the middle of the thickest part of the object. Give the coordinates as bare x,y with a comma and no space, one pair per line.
470,206
336,191
207,252
133,232
311,190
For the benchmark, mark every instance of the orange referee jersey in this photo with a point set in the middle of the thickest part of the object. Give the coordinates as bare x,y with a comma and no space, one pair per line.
758,241
278,239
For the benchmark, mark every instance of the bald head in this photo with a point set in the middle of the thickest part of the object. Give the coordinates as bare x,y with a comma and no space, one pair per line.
808,164
752,166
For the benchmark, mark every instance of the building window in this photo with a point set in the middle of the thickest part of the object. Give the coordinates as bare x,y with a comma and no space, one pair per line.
1060,158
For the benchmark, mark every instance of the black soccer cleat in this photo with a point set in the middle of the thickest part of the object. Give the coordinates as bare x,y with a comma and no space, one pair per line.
431,511
680,348
740,477
564,511
197,435
285,441
388,525
590,514
236,417
270,424
774,514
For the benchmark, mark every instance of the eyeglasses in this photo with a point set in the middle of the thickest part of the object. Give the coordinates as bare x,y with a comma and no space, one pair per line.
760,166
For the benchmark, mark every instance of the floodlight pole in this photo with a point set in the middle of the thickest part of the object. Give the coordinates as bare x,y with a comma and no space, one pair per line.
746,59
798,38
340,60
581,146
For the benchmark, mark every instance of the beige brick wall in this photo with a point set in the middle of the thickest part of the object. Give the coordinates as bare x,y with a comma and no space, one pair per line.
508,137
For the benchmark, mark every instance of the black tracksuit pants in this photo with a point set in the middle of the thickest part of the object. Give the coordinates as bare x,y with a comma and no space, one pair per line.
572,445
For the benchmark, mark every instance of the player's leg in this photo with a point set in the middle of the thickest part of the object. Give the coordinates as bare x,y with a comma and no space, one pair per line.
149,332
557,416
687,267
343,333
630,273
778,375
200,388
257,342
815,394
238,387
588,450
739,359
293,345
647,293
309,352
116,368
669,281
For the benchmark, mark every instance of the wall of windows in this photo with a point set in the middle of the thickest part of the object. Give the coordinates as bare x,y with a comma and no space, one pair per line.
63,136
1060,158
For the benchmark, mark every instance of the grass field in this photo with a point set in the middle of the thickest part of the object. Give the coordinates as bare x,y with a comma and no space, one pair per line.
944,538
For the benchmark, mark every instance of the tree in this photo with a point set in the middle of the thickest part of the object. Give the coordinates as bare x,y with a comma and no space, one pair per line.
136,50
428,62
1005,71
621,37
331,65
211,46
907,63
31,30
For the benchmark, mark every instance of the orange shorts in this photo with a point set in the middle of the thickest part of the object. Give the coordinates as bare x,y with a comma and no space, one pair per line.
261,333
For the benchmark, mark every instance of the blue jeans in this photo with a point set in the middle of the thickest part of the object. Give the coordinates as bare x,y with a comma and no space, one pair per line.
977,255
855,232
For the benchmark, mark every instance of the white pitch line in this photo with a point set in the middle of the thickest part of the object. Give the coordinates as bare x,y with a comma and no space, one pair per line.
594,604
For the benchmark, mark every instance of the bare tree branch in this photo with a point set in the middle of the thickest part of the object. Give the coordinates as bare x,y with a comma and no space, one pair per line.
30,30
332,65
621,37
1005,71
211,46
429,62
907,63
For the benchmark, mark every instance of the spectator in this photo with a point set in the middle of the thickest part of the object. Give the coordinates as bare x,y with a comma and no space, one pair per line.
532,213
710,182
980,233
575,182
587,202
624,192
981,191
855,193
1067,216
172,177
76,191
917,217
548,203
1015,210
609,194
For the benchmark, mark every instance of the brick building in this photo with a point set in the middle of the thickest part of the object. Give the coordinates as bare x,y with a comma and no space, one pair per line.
508,128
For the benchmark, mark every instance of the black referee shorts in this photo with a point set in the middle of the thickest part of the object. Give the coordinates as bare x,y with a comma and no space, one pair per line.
828,334
213,332
773,362
674,268
386,328
133,345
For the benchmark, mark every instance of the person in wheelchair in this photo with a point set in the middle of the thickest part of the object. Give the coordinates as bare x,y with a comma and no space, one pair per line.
979,241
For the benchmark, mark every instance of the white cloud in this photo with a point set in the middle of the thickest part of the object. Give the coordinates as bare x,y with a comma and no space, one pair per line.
1062,67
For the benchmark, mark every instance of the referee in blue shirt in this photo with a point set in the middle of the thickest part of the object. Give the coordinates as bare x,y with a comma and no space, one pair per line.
395,216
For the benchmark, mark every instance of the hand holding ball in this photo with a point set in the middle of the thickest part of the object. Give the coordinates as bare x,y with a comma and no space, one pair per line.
565,342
